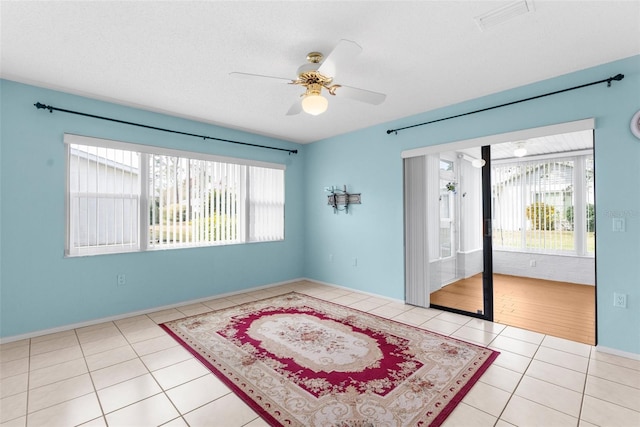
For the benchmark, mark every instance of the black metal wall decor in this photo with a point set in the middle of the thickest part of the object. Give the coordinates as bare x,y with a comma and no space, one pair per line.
340,199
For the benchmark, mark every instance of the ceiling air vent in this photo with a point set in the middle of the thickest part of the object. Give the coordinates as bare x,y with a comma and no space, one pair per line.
504,14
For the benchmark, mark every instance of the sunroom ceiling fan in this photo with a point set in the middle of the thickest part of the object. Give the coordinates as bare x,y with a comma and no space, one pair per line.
318,74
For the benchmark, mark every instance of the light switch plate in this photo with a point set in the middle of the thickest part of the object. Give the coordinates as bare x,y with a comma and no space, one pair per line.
618,224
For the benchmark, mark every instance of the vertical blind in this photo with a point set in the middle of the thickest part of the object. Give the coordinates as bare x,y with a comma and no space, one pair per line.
543,205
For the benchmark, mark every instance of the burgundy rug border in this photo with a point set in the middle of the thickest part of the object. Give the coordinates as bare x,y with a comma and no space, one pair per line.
442,416
234,388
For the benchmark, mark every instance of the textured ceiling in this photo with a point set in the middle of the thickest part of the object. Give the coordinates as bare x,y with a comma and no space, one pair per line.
175,57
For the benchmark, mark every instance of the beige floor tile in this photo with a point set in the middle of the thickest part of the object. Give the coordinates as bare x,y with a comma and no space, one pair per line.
58,392
13,406
522,335
513,345
97,422
69,413
110,357
55,357
503,378
619,374
567,346
153,345
133,322
386,311
484,325
137,335
616,360
440,326
558,375
258,422
14,344
502,423
476,336
196,393
219,304
193,309
466,416
104,344
128,392
349,299
16,422
107,330
115,374
166,357
512,361
613,392
166,315
180,373
561,358
487,398
414,317
14,385
14,353
601,413
54,344
14,367
453,318
550,395
53,336
52,374
153,411
525,413
228,408
178,422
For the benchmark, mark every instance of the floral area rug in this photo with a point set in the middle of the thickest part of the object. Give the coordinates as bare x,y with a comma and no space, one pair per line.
301,361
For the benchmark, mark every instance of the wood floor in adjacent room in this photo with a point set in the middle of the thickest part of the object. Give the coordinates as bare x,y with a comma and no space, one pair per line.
560,309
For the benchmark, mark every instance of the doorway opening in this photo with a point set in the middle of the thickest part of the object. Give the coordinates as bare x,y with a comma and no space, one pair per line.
541,232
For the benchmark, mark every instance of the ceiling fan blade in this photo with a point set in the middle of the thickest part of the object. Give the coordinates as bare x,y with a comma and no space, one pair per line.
361,95
296,108
344,50
249,76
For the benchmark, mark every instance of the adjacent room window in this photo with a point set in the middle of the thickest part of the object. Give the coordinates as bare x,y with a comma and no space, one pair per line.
544,205
126,197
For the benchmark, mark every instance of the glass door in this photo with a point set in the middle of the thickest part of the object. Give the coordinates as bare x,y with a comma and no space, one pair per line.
460,273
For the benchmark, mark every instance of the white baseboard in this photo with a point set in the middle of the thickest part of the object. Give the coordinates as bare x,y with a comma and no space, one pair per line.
63,328
634,356
353,290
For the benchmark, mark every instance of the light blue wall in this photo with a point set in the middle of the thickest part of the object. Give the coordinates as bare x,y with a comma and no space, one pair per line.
40,289
368,161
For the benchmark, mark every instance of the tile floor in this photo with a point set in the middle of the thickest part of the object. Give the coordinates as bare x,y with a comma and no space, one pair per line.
130,373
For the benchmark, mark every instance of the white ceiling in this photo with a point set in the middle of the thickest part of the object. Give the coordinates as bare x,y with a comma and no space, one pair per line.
175,57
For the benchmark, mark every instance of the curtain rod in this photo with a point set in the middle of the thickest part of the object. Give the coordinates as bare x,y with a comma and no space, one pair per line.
617,77
51,109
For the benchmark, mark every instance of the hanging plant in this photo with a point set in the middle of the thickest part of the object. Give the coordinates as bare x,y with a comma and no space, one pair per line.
451,186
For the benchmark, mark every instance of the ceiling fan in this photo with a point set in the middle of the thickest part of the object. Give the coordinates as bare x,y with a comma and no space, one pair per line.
317,74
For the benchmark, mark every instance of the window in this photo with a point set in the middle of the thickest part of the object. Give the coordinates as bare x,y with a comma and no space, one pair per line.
544,205
126,197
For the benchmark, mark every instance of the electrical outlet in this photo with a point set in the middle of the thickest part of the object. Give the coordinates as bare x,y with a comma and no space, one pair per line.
620,300
330,257
354,262
121,279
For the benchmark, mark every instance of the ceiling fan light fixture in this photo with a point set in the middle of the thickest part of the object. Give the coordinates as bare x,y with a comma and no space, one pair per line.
313,102
520,151
478,163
